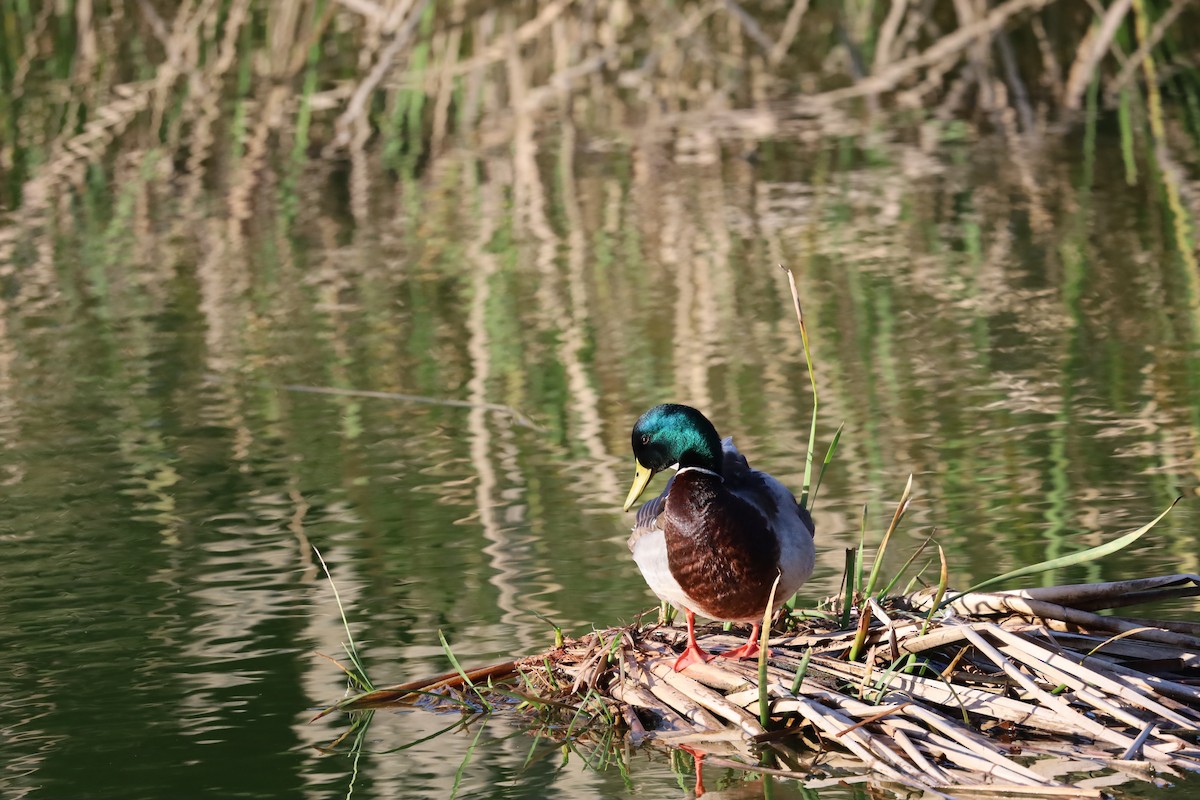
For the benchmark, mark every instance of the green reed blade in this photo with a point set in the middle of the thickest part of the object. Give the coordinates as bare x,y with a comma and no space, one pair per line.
764,710
901,507
887,590
461,672
847,586
558,634
1125,119
801,670
860,635
462,767
833,443
812,379
860,555
943,582
1071,560
350,647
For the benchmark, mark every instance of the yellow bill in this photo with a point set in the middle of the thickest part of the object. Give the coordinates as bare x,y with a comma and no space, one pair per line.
641,477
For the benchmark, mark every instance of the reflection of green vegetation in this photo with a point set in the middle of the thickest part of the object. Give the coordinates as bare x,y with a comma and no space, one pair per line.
1014,321
201,84
394,319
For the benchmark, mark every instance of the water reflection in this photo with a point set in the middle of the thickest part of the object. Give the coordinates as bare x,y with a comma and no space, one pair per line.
1026,347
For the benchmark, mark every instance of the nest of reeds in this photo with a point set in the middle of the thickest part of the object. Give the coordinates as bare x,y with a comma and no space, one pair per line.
1015,692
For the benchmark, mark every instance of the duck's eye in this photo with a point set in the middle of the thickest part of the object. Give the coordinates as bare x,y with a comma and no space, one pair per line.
645,438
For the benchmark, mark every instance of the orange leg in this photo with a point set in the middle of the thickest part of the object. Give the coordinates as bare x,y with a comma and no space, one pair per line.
748,650
692,654
698,760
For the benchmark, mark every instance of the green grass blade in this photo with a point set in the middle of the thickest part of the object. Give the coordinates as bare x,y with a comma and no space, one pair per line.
537,740
812,379
462,767
1071,560
881,683
461,672
833,443
360,672
801,670
943,582
848,586
357,749
458,723
764,708
861,553
558,634
886,591
962,708
901,507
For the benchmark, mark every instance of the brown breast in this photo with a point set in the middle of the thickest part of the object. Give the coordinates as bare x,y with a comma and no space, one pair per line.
719,548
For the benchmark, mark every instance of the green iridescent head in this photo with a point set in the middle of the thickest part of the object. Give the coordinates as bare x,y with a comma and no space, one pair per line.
671,434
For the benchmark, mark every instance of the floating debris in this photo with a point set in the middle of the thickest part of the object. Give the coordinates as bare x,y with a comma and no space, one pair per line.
1009,693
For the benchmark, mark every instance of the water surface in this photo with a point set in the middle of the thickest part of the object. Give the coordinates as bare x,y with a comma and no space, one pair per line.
1025,347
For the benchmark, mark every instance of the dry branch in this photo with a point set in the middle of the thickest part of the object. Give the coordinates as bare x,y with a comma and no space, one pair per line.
1093,48
949,46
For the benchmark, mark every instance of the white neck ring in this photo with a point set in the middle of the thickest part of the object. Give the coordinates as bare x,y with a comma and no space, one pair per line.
702,469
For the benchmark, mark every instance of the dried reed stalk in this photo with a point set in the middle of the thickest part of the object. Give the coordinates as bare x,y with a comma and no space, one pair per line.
1093,48
923,709
949,46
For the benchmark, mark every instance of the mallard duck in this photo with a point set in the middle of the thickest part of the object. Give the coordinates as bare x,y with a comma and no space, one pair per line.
715,539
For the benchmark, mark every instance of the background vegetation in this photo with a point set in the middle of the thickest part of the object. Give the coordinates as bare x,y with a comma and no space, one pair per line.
573,209
242,95
386,185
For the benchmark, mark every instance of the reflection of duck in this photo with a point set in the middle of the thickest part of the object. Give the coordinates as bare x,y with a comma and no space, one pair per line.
713,542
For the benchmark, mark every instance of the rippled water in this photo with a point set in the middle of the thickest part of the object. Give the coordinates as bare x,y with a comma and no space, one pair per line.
1024,344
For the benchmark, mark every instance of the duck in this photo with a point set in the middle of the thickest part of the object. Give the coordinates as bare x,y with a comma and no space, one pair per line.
720,533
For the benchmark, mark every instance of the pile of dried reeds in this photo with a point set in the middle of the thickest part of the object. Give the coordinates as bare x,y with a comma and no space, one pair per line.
1015,692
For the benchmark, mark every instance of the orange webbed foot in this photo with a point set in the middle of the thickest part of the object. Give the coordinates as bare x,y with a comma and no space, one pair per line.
692,654
749,650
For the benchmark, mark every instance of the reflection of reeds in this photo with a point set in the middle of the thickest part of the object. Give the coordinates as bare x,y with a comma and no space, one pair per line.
504,552
396,56
648,242
224,93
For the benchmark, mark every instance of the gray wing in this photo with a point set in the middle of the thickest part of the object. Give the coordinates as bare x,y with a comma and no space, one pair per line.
734,466
647,514
758,488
